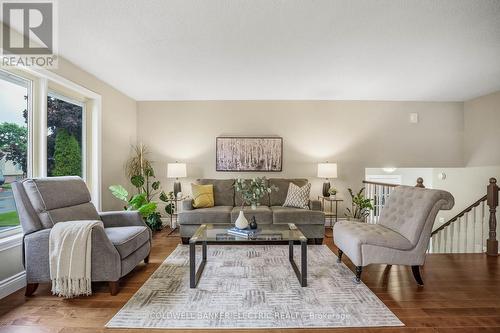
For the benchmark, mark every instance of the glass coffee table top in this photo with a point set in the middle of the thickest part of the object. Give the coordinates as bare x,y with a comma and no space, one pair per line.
217,233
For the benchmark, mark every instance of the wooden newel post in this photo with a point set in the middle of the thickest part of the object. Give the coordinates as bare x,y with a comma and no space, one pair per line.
492,201
420,182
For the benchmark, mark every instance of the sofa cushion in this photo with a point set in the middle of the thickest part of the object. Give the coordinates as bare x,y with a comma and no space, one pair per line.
263,214
223,190
282,215
203,195
264,201
58,199
298,197
350,236
277,198
127,239
214,215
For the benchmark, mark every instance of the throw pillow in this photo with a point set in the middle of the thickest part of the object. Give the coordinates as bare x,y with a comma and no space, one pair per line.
203,195
298,196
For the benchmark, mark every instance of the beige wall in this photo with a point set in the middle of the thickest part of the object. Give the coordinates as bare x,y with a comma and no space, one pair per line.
119,120
353,134
466,184
482,131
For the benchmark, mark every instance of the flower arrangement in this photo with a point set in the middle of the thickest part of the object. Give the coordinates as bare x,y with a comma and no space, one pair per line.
252,190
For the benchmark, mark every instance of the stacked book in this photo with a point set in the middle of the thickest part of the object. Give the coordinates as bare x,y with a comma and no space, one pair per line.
245,233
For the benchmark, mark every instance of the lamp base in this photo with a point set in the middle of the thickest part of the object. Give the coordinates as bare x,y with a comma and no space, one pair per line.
177,188
326,188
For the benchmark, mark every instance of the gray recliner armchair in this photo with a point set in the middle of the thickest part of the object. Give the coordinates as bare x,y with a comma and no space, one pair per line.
117,248
402,234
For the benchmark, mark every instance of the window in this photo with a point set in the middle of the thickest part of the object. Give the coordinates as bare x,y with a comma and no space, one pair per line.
65,139
15,101
49,126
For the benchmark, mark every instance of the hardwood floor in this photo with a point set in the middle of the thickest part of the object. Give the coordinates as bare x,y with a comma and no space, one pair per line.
461,294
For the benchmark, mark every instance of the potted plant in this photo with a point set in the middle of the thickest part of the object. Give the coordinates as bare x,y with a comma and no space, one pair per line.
140,171
333,192
251,191
361,206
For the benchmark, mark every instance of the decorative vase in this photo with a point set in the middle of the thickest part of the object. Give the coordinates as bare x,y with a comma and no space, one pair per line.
254,206
241,222
253,224
326,189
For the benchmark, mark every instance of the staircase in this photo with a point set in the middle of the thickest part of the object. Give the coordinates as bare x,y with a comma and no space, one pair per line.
473,230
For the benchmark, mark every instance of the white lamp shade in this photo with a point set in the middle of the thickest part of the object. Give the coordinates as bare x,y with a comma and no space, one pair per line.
176,170
327,170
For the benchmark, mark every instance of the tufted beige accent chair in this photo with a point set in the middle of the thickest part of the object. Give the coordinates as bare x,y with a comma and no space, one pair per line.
402,234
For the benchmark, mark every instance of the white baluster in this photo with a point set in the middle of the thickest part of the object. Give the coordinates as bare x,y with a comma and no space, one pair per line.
459,227
452,230
438,242
466,233
482,226
474,230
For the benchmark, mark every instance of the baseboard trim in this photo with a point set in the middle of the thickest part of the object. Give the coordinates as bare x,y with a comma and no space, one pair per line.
12,284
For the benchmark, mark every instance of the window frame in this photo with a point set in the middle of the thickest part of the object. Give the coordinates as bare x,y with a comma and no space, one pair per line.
40,87
8,232
54,93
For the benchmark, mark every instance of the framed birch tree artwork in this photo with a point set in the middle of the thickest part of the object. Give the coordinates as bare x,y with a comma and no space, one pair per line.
249,154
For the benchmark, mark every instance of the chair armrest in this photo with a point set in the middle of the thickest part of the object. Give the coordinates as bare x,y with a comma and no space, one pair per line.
315,205
187,204
36,255
122,219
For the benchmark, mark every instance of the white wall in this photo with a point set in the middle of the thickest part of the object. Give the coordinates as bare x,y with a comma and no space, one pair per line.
482,131
408,175
466,184
119,123
353,134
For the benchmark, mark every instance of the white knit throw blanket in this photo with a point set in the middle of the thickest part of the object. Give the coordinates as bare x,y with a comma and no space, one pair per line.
70,246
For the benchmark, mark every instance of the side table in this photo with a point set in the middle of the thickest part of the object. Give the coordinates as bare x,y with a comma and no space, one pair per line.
173,216
327,204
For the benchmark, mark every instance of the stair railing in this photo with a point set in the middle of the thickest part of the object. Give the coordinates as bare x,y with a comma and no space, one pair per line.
460,234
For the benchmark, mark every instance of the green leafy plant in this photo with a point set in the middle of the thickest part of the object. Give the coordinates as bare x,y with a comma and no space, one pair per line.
67,155
332,191
140,203
361,206
142,176
169,199
252,190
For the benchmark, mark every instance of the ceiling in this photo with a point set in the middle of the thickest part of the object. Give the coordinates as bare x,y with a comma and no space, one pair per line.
425,50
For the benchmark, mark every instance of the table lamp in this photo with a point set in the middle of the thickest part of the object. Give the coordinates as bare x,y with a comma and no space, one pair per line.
176,170
327,171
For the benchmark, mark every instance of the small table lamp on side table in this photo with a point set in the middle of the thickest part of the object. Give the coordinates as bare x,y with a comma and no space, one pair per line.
327,171
176,170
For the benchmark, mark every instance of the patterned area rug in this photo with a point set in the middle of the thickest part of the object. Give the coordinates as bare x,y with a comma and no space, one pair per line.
253,286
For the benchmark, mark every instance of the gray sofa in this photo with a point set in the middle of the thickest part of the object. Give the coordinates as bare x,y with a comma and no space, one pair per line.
117,248
270,211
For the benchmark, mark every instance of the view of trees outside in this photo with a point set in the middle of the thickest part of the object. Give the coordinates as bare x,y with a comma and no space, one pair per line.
13,143
64,138
64,141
